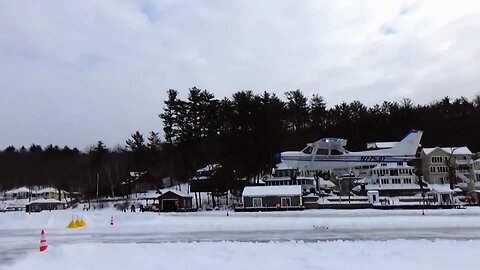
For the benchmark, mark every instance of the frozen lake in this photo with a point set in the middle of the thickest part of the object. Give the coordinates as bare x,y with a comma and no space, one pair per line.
306,231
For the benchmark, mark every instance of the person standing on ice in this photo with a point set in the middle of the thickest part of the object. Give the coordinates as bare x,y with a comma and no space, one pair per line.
132,209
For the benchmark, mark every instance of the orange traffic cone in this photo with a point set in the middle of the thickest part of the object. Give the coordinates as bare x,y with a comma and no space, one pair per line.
111,221
43,242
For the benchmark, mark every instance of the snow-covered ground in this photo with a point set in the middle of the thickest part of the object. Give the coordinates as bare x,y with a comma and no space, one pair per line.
392,255
314,239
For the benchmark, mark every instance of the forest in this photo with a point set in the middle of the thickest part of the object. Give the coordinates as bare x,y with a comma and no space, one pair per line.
242,132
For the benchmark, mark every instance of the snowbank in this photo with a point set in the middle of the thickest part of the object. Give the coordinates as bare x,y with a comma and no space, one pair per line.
219,221
392,255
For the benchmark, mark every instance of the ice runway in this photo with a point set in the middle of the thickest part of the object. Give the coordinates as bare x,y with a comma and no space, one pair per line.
209,233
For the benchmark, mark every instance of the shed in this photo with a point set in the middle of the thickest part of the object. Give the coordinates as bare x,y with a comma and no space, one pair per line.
175,201
260,197
373,196
45,204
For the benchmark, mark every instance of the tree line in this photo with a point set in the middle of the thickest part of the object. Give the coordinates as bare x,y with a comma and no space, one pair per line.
242,132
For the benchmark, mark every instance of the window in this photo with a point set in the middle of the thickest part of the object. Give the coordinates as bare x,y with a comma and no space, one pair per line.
442,169
385,181
437,159
286,202
307,150
433,170
335,152
393,172
323,152
257,202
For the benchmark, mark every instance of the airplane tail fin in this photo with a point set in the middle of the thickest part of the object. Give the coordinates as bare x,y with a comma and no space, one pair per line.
409,145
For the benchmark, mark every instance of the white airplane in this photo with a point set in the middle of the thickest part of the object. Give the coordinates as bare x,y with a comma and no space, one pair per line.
328,154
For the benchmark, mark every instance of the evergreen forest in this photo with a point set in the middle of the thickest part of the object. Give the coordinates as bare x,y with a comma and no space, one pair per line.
242,132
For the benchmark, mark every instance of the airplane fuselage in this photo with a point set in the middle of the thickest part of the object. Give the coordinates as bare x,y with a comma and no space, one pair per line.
296,159
329,154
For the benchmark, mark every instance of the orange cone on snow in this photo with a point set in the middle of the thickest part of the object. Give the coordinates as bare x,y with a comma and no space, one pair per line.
111,221
43,242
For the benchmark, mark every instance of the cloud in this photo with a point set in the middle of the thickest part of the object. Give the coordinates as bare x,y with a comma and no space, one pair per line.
80,71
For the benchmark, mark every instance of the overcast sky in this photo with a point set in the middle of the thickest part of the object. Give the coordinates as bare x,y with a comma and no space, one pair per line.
75,72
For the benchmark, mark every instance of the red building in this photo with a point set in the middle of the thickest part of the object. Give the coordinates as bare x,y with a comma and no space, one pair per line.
175,201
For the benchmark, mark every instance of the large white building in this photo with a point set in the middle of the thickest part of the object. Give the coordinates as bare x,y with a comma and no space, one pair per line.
437,161
392,180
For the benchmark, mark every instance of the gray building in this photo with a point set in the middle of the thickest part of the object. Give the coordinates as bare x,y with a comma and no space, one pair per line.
45,204
272,197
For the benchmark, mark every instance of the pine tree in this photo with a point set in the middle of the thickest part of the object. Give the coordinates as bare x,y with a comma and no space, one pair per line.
136,143
170,116
318,112
154,143
297,109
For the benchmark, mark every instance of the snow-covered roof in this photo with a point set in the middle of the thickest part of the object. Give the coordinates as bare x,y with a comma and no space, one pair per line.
209,167
463,150
136,174
272,190
150,196
200,178
18,190
380,145
179,193
326,183
441,188
45,201
47,190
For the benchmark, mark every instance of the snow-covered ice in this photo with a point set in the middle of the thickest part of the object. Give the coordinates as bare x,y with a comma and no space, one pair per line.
332,239
392,255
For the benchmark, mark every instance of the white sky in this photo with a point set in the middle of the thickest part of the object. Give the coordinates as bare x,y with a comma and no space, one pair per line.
74,72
